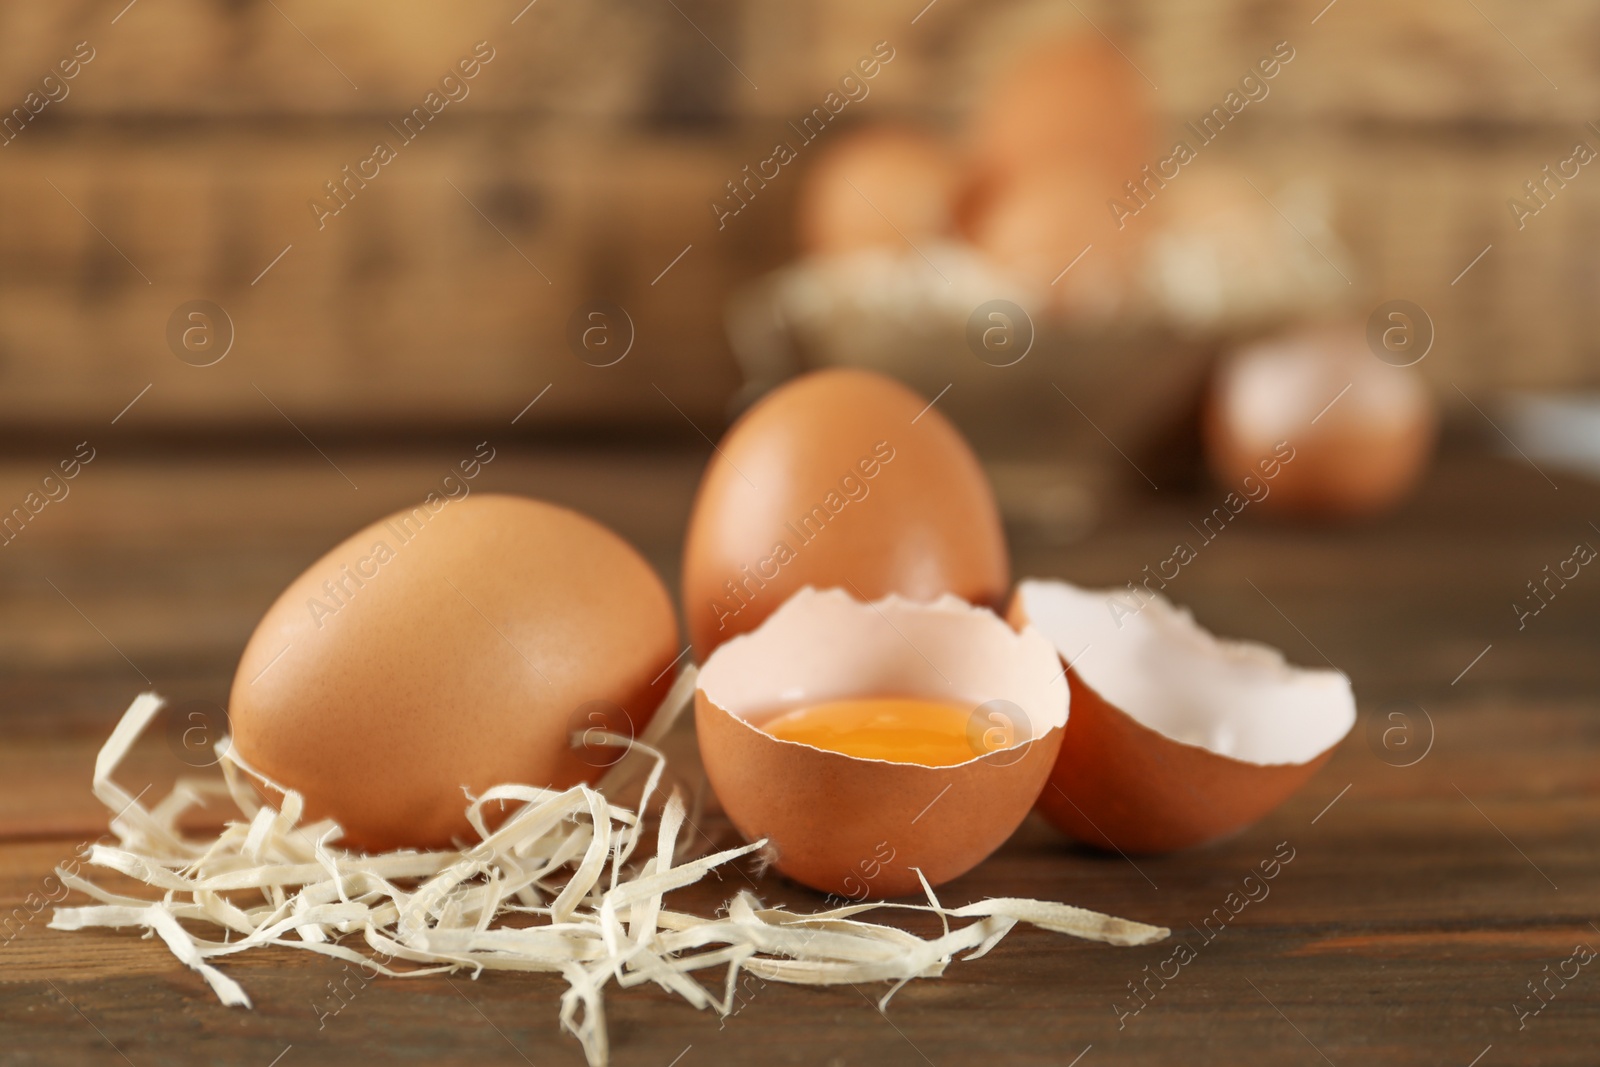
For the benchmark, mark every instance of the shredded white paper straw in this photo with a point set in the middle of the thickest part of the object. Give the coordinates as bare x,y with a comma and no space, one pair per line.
555,887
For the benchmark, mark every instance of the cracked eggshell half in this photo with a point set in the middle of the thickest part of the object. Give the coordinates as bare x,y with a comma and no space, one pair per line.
858,827
1177,737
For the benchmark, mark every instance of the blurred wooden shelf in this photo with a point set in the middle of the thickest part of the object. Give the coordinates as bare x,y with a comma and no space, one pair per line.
596,140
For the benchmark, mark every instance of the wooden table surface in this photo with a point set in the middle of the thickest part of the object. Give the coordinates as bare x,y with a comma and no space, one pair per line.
1421,901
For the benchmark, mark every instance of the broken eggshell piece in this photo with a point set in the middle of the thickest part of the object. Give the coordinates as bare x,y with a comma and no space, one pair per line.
863,827
1177,737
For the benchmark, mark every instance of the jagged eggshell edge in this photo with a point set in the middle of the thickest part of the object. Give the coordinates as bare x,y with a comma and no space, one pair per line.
862,828
1123,784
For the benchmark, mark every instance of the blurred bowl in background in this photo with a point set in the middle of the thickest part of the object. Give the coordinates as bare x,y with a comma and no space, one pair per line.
1113,357
1221,257
1003,282
1019,382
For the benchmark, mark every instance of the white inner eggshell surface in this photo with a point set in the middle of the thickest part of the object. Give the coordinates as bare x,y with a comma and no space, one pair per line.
1155,663
826,645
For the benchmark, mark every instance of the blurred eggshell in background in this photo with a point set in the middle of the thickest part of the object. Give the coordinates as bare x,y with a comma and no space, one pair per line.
1072,100
1040,222
460,654
1176,737
858,827
877,186
1362,431
839,478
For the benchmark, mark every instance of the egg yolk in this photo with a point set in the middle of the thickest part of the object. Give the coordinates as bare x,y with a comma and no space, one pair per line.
931,733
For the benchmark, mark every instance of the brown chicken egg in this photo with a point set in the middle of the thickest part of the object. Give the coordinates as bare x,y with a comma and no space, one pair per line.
1070,100
840,478
1176,738
1359,431
863,827
882,185
454,645
1049,228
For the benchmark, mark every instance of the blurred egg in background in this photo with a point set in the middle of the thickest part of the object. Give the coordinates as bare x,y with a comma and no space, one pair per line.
1360,431
1058,219
877,186
1073,99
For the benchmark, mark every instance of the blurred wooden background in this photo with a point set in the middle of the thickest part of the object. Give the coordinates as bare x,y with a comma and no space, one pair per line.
182,160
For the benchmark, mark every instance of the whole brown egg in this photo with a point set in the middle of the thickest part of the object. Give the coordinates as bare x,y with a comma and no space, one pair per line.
1050,229
455,645
1070,100
839,479
878,186
1318,426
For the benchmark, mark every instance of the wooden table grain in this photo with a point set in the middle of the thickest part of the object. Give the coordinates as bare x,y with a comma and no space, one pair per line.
1436,872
